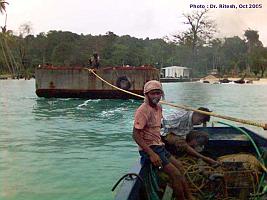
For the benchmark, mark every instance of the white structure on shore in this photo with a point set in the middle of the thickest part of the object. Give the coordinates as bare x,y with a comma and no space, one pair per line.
176,72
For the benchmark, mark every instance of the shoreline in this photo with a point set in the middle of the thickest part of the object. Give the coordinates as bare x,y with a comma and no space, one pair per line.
261,81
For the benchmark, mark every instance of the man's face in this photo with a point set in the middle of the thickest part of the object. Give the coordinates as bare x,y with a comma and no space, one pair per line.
200,119
193,143
154,96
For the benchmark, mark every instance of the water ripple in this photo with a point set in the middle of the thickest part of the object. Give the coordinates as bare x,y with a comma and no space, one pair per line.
76,148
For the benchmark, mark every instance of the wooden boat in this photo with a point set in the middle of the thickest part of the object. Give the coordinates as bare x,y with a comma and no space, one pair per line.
223,141
78,82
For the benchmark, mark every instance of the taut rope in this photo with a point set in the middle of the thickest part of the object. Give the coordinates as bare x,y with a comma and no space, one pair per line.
249,122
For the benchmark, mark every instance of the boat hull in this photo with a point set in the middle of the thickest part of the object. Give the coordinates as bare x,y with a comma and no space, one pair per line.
223,140
78,82
86,94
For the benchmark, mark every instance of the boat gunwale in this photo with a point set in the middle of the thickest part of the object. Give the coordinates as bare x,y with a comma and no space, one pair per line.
123,68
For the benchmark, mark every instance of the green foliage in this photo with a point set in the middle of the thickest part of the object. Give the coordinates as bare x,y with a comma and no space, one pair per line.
234,54
258,61
20,55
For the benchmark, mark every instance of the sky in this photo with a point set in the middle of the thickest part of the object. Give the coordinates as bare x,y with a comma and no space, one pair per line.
137,18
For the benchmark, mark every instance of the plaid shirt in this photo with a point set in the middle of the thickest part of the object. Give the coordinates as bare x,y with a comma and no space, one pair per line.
179,123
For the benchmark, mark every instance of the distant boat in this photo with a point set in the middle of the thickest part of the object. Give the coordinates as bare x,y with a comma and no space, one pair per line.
225,80
78,82
171,80
240,81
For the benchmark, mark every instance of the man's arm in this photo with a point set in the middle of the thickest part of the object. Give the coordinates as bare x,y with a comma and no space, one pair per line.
194,153
172,139
154,158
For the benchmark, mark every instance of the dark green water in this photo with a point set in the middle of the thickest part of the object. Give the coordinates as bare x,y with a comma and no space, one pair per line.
53,149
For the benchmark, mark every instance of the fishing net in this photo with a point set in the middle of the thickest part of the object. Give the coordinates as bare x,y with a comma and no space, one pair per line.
236,178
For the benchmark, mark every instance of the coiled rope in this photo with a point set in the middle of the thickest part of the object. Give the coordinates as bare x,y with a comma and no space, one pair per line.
249,122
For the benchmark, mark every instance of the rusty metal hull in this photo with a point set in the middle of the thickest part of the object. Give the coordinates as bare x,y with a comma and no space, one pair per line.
78,82
86,94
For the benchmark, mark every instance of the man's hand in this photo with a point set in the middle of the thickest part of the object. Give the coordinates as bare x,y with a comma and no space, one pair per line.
211,161
155,159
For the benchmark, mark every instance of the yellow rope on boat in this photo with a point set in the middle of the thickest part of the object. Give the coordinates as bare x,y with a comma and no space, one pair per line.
249,122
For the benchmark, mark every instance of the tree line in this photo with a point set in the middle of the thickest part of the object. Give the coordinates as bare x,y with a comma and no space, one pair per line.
196,48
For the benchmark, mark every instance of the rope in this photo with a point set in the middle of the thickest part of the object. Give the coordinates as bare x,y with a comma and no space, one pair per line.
204,186
252,123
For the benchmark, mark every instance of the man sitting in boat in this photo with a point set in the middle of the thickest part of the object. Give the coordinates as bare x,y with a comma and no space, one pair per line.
146,133
180,137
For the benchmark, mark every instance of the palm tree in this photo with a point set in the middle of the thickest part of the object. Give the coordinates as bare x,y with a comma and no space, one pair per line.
3,41
3,6
2,11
